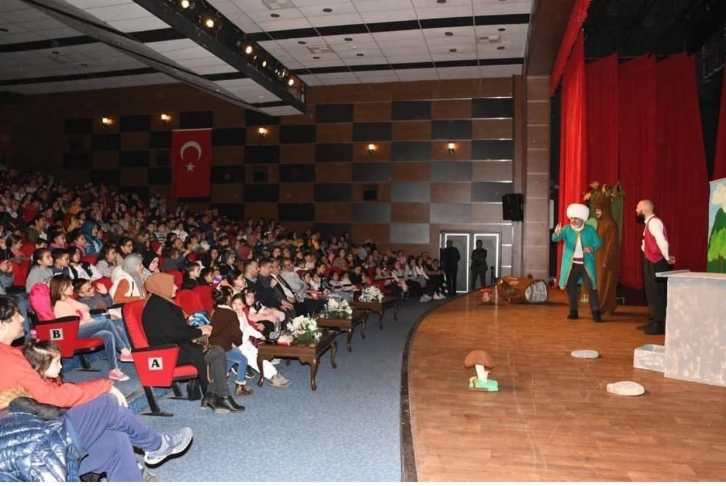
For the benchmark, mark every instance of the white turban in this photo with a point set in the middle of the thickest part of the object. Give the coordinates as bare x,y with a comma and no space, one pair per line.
579,211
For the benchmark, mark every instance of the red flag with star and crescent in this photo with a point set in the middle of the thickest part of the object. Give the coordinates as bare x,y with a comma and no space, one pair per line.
191,163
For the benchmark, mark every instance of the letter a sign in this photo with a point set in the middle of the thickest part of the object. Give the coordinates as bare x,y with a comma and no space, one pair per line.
156,364
56,334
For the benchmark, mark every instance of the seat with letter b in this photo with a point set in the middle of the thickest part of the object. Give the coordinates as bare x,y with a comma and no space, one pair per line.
64,332
155,365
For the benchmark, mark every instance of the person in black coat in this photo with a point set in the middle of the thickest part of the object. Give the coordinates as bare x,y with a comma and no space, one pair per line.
450,262
164,323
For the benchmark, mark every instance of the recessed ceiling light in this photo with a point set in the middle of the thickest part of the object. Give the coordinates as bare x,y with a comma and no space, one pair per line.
440,1
360,54
301,42
316,57
501,29
500,48
2,29
448,34
348,39
452,50
327,10
274,16
83,64
55,52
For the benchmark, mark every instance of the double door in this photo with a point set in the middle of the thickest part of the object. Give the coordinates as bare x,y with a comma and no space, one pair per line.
465,242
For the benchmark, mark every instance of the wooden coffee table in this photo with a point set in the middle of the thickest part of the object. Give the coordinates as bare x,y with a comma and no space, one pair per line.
378,308
346,325
306,354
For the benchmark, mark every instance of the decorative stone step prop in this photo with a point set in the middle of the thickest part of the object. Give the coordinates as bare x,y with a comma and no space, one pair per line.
626,388
650,357
585,354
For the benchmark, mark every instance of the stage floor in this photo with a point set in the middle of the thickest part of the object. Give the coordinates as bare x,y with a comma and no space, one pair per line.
552,419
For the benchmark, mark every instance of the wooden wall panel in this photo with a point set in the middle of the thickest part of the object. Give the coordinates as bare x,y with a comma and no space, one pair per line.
411,171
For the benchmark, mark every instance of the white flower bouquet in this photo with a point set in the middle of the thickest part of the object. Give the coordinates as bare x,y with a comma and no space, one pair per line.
339,308
371,294
305,330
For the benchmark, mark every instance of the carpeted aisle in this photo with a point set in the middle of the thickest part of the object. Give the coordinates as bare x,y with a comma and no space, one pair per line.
347,430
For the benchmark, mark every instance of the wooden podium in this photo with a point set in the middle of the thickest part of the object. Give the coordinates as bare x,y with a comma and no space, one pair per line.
695,342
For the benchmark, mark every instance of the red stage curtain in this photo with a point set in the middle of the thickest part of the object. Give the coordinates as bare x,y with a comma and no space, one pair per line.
573,156
601,81
681,190
569,39
636,128
719,166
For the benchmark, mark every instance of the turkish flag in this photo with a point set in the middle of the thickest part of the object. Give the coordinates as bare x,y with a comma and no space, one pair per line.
191,163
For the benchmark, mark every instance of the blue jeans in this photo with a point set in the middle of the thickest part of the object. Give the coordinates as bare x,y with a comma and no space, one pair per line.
109,433
119,325
235,356
105,330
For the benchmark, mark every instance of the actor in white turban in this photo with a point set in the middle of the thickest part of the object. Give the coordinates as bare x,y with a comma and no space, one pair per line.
578,259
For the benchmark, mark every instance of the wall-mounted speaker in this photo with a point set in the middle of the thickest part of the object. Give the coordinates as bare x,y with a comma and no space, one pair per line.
513,207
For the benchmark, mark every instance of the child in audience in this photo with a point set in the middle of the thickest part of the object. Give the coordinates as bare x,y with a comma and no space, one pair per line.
64,305
101,301
190,280
241,305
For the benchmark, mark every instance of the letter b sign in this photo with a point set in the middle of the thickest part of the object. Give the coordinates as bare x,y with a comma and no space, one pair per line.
156,364
56,334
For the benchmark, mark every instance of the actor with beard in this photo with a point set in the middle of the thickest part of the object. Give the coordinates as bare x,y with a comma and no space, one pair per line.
607,260
578,259
656,258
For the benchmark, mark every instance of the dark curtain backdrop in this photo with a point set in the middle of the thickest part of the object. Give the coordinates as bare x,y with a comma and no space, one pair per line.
569,40
637,152
573,141
681,189
601,79
719,166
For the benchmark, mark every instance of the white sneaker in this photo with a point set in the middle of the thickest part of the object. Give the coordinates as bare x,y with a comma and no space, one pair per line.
438,296
425,298
279,381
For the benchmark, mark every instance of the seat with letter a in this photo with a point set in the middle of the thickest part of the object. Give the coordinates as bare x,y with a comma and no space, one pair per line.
64,332
155,365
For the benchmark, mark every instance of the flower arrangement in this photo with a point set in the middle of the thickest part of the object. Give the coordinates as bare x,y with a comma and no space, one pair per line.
305,330
606,190
371,294
338,307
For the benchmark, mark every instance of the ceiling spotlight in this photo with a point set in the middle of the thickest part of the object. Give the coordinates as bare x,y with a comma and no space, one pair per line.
501,29
291,82
448,34
248,50
106,121
302,43
264,63
452,50
184,3
327,10
316,57
440,1
275,16
500,48
283,73
360,54
209,23
348,39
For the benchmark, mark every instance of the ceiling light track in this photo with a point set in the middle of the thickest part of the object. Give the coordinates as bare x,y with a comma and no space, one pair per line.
204,25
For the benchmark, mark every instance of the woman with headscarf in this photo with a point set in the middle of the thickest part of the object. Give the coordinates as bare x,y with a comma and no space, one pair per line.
128,280
150,261
164,323
90,230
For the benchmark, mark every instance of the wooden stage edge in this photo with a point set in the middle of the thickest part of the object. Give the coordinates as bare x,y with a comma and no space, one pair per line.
552,419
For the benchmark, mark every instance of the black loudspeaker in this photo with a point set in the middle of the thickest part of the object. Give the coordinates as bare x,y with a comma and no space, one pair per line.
513,207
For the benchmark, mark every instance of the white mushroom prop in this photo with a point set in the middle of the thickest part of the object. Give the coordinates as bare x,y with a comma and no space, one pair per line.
482,363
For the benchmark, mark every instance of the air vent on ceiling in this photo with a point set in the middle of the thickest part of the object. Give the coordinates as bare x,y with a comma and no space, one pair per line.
320,49
490,39
278,4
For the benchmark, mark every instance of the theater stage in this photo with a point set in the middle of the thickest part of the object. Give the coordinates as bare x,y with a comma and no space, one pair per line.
552,419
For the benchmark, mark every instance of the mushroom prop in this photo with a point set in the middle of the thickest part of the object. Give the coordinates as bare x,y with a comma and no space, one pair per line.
483,363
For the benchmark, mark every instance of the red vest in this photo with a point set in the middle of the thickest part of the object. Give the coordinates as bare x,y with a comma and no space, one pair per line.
652,252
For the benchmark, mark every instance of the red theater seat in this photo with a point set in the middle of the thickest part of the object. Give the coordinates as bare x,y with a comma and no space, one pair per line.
155,366
64,332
